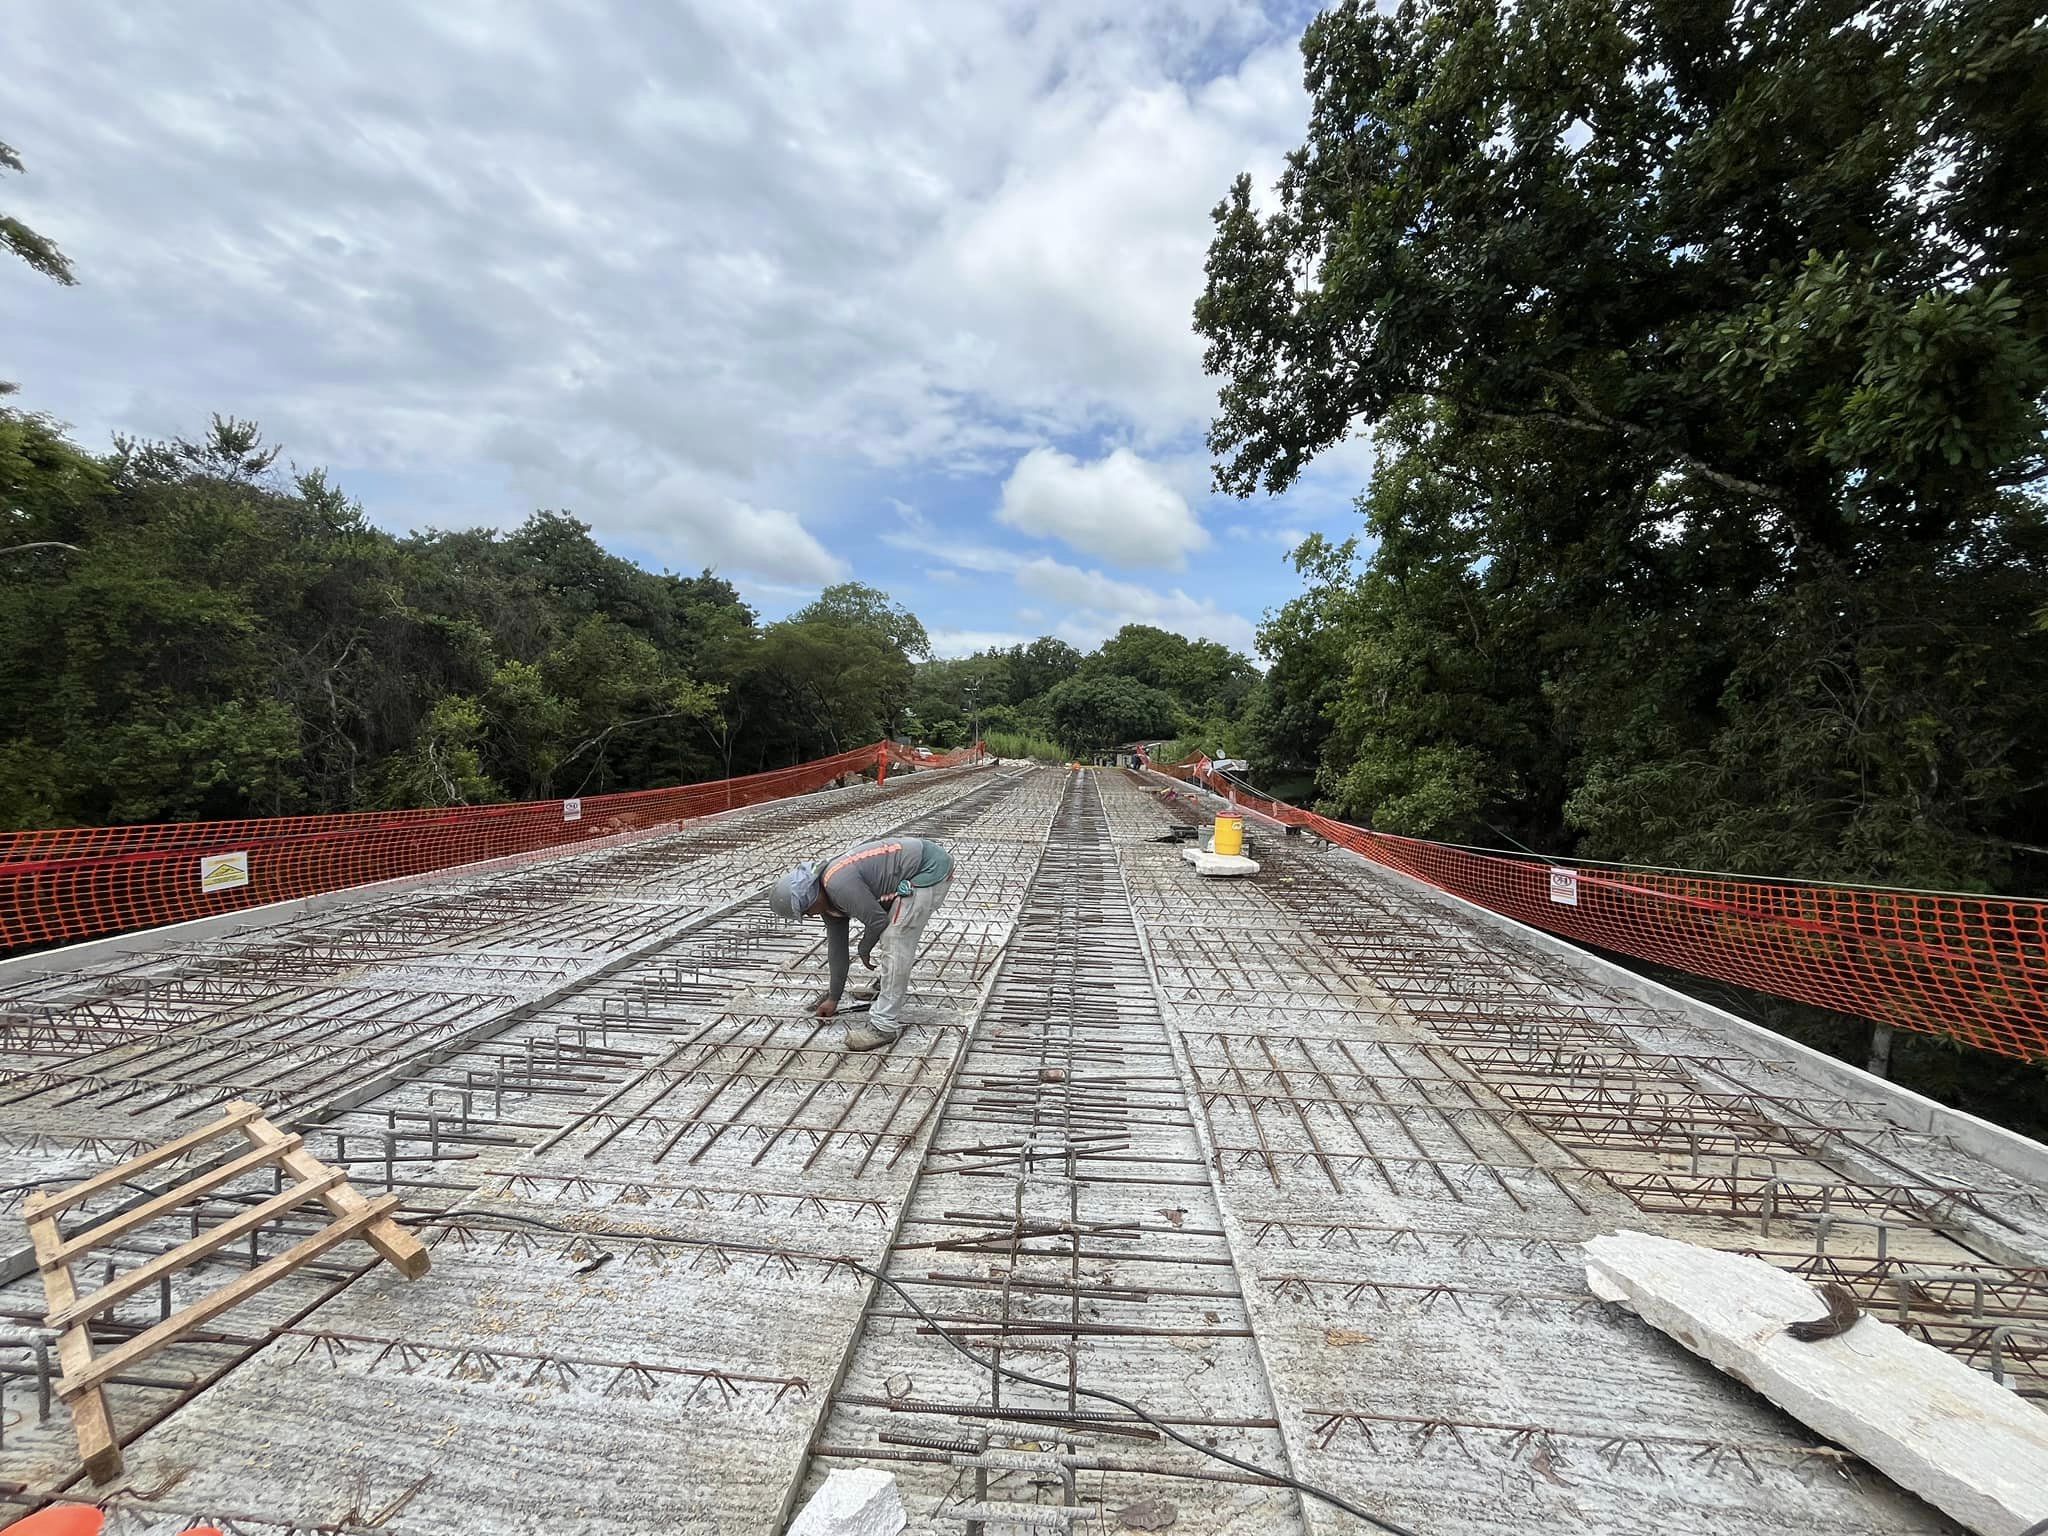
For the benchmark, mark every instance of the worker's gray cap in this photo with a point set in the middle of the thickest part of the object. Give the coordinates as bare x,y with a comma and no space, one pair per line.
794,892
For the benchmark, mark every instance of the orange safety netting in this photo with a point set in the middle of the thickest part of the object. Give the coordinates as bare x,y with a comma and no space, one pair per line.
1972,968
76,883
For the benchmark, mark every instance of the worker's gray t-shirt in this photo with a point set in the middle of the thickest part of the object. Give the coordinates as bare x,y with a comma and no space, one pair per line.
861,884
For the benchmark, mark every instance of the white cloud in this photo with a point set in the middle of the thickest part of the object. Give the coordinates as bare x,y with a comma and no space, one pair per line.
717,259
740,537
1118,507
1097,606
774,599
1085,607
1068,292
684,517
951,643
983,558
1286,538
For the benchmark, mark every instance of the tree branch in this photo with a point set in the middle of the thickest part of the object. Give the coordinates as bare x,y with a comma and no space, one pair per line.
1598,422
603,735
1720,477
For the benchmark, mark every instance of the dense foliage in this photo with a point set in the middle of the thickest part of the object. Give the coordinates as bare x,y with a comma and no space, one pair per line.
1142,683
186,633
201,637
1705,348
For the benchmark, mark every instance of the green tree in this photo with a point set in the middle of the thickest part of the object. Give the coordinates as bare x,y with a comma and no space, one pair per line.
1879,729
216,639
1705,353
854,605
1797,256
1036,669
444,765
136,675
24,242
949,694
837,685
1093,712
1307,640
1200,674
1438,721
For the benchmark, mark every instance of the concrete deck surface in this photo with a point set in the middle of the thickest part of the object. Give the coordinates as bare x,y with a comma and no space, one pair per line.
1299,1162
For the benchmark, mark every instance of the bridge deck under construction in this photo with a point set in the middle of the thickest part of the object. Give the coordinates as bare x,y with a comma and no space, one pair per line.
1299,1163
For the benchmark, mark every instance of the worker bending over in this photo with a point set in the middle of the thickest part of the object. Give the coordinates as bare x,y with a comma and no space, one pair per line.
891,887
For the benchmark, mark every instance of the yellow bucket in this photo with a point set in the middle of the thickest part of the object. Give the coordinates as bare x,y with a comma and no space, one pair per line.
1230,836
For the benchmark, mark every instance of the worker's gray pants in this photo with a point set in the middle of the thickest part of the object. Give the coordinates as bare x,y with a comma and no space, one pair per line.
898,951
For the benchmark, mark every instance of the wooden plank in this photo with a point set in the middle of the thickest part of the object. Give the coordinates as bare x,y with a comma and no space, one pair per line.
92,1373
90,1420
398,1247
150,1210
144,1276
239,1114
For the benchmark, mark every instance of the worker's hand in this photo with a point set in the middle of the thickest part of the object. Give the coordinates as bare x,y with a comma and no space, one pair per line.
825,1006
867,950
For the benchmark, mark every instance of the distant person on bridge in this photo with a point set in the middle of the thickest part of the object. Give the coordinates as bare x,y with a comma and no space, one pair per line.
893,886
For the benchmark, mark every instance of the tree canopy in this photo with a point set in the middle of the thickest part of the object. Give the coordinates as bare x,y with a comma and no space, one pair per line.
1705,350
224,641
1194,671
853,605
1141,683
1793,252
1109,710
216,638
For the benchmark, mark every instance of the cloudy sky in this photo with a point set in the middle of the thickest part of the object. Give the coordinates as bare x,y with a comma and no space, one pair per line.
896,291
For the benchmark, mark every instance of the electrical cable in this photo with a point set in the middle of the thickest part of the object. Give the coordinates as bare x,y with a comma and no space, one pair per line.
1284,1479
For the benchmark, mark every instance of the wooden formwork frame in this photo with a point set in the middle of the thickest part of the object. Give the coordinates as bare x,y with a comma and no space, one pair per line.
302,1178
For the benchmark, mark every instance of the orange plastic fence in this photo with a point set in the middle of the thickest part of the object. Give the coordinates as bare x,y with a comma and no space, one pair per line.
83,882
1972,968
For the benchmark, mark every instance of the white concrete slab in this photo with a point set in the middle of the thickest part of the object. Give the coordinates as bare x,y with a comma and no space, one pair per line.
1219,864
855,1501
1974,1449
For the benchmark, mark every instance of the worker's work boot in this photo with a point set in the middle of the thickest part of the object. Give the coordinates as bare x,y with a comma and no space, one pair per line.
865,1037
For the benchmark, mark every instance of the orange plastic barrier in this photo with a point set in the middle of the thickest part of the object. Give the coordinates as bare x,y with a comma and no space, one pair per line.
77,883
60,1520
78,1520
1971,968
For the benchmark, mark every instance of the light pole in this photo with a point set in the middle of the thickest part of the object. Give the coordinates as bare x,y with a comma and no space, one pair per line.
973,692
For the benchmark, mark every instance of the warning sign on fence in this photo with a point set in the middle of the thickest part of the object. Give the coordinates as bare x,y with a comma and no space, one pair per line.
223,871
1564,886
572,810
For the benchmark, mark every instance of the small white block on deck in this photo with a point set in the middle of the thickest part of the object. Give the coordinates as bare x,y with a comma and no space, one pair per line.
1972,1448
856,1501
1207,863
